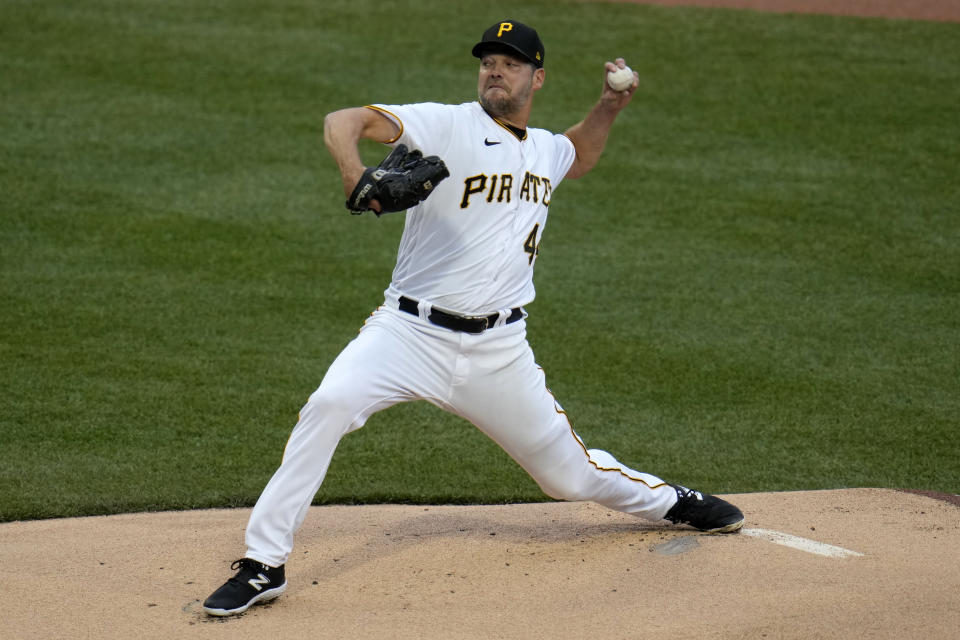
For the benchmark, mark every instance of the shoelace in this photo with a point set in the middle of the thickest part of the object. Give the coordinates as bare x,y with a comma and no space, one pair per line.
243,563
683,492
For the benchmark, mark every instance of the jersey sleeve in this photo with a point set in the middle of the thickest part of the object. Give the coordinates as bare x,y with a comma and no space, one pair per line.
425,126
564,156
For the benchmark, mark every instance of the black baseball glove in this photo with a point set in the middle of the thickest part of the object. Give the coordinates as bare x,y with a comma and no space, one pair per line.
403,179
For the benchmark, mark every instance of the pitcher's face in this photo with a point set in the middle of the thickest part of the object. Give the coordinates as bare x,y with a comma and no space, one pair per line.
506,83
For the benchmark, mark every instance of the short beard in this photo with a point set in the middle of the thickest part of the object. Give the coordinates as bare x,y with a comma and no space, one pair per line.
504,106
499,107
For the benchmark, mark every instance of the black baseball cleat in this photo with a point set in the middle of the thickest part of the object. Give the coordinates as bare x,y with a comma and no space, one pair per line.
705,512
255,582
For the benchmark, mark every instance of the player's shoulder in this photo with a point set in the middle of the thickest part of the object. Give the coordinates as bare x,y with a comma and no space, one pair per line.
422,106
545,136
433,114
459,115
537,132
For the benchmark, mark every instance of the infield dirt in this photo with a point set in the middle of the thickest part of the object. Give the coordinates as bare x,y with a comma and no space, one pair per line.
552,570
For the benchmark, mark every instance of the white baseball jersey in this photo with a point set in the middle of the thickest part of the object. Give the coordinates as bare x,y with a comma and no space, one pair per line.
471,246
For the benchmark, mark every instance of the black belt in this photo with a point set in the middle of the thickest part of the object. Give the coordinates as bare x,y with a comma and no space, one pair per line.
466,324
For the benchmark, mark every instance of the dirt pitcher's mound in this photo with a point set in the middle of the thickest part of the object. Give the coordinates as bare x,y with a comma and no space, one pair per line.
863,563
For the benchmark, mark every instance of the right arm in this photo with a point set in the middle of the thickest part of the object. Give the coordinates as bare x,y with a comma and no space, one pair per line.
589,136
343,130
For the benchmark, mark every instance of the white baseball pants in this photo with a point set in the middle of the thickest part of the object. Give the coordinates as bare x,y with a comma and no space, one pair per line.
490,379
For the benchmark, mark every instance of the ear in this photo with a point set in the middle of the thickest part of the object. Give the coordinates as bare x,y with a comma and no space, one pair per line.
538,77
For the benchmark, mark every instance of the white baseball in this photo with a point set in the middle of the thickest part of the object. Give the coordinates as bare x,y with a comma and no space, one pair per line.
621,79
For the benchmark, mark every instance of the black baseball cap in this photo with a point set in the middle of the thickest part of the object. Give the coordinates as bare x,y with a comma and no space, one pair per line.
515,37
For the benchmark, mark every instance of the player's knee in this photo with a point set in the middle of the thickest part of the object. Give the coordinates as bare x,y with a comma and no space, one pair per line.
327,406
560,488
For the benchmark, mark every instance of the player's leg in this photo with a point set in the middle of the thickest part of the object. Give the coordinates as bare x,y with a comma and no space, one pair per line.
385,364
389,362
540,438
505,395
513,406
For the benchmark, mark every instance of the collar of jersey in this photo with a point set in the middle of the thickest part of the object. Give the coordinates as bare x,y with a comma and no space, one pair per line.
520,134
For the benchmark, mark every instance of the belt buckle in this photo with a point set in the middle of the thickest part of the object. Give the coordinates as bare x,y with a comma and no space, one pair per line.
483,323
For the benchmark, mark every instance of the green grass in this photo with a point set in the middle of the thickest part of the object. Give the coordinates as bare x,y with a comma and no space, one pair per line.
756,289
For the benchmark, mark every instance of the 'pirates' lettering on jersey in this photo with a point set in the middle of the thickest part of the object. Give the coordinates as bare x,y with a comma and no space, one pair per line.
534,188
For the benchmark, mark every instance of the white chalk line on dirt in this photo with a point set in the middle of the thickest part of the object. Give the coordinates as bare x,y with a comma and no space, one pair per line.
802,544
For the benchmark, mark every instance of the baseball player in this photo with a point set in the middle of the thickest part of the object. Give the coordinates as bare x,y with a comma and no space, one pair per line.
452,328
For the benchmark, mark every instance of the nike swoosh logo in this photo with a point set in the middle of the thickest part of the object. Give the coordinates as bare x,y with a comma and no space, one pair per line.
490,143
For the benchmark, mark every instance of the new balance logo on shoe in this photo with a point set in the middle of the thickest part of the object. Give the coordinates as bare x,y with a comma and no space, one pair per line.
259,582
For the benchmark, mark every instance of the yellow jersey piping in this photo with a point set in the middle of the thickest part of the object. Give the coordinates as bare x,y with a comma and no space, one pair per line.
511,129
619,470
395,118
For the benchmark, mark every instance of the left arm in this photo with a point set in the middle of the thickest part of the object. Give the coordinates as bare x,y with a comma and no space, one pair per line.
589,136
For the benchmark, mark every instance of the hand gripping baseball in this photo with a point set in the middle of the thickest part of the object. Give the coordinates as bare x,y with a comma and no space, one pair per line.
404,179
